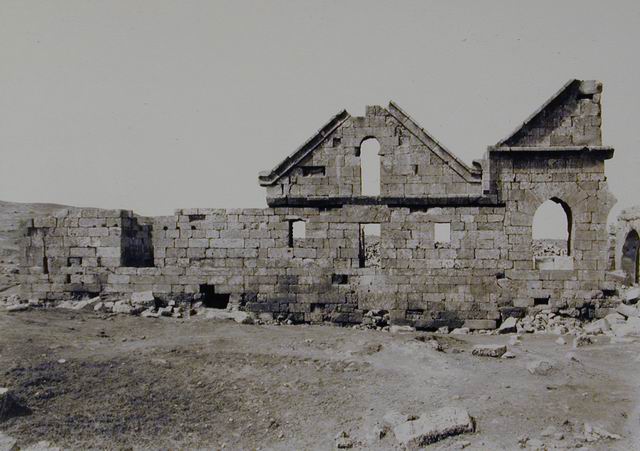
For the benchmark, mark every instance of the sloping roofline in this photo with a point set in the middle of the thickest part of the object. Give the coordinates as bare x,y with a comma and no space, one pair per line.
267,178
455,163
533,116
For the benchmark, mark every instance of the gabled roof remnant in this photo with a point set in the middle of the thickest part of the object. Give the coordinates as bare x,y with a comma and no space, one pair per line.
570,88
467,173
267,178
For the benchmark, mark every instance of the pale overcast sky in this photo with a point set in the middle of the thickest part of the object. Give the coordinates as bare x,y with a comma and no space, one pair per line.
156,105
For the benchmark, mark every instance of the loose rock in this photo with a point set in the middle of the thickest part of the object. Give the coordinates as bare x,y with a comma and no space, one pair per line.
434,426
489,350
540,368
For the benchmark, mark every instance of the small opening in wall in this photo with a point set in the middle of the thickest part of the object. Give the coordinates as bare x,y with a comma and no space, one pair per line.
339,279
211,299
336,142
193,227
540,301
74,261
165,228
310,171
442,232
415,169
369,246
297,231
197,218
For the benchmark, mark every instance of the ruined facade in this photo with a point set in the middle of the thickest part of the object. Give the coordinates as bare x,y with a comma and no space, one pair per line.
454,244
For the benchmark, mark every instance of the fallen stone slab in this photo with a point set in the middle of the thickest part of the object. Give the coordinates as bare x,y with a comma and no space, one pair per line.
122,307
540,367
395,329
489,350
87,304
460,331
480,324
629,328
17,307
600,326
508,326
143,298
8,443
432,427
9,405
632,295
628,311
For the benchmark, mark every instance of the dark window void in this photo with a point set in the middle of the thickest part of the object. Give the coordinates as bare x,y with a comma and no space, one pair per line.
136,244
197,218
541,301
297,231
339,279
211,299
369,246
551,229
630,262
310,171
369,153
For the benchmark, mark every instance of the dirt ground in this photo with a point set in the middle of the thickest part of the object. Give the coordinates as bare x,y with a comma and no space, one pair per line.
97,381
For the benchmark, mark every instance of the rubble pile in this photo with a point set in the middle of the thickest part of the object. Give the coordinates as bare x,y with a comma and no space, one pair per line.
548,248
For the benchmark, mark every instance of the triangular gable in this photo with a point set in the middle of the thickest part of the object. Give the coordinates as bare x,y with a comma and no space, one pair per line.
553,124
464,171
267,178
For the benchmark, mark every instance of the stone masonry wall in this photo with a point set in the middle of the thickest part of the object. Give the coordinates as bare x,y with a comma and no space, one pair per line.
482,268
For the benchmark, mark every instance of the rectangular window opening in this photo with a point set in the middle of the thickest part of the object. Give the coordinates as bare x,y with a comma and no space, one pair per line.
309,171
339,279
297,231
211,299
540,301
442,233
369,246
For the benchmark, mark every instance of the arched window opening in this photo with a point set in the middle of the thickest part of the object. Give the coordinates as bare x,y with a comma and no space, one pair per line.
630,262
369,167
551,233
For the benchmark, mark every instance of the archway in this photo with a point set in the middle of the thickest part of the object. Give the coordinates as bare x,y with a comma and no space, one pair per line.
551,229
369,167
629,262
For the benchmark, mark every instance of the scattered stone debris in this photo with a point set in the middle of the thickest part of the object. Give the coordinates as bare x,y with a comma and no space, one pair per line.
582,340
540,367
489,350
432,427
594,433
343,441
10,406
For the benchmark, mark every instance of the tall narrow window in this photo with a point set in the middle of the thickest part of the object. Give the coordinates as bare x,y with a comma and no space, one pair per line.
369,246
297,230
630,257
552,229
370,167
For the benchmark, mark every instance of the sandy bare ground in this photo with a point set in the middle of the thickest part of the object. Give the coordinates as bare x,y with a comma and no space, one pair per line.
130,382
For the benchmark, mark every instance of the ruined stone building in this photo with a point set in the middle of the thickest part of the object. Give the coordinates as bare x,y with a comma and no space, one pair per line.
439,243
